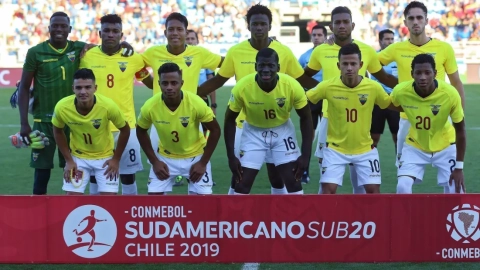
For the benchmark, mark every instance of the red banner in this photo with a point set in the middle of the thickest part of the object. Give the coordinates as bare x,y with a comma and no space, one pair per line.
309,228
9,76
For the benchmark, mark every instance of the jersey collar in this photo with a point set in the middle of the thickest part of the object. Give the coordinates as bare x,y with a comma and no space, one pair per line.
75,101
181,95
420,45
58,50
434,81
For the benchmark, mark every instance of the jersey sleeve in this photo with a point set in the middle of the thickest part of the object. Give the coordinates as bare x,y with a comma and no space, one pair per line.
294,68
386,56
299,97
204,113
451,61
227,70
395,97
456,113
115,115
210,60
57,120
144,120
147,56
314,62
236,101
142,71
30,61
318,93
382,99
374,66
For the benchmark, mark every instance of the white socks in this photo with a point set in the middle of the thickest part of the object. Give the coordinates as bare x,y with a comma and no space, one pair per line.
129,189
93,189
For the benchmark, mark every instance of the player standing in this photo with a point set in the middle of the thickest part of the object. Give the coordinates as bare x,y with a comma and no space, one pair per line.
386,38
318,35
267,98
325,57
240,62
403,52
91,145
351,98
115,79
183,150
190,59
432,139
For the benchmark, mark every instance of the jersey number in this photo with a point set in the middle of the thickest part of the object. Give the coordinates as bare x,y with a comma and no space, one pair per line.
351,115
133,157
270,114
110,82
88,138
452,161
423,122
175,136
63,72
289,143
375,165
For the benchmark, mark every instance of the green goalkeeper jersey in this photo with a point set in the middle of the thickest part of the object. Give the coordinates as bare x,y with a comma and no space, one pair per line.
53,77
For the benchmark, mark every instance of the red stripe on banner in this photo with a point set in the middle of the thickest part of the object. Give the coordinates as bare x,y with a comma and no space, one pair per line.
225,229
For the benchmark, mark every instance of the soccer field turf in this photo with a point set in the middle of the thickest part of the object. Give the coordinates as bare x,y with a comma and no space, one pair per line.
17,179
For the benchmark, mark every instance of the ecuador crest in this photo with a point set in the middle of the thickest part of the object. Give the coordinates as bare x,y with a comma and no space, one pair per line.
242,153
122,66
362,98
188,60
96,123
184,120
281,101
435,109
71,56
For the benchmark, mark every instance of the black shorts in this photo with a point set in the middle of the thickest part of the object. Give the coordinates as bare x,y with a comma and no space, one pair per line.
379,117
316,110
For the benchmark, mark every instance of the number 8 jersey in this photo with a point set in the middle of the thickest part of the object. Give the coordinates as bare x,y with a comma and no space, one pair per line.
267,109
114,76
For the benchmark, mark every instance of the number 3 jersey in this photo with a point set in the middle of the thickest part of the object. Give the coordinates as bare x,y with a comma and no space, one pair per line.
179,130
430,129
267,109
114,76
90,135
350,112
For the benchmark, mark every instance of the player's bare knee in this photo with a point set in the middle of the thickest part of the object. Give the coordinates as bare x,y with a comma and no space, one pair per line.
156,193
242,189
405,184
329,188
127,179
372,189
73,193
293,186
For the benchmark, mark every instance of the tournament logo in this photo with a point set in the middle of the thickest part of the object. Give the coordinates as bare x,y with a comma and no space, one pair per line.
122,66
462,223
242,153
35,156
89,231
71,56
435,109
280,102
188,60
320,146
324,169
96,123
362,98
184,120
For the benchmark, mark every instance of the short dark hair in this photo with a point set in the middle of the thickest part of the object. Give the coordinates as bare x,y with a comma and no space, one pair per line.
348,49
383,32
259,10
415,4
423,58
318,26
341,10
85,74
168,68
267,52
60,14
192,31
111,18
177,16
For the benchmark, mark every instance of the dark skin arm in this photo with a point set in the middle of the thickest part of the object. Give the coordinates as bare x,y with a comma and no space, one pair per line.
23,97
159,168
395,108
385,78
211,85
229,136
148,81
306,128
461,142
212,140
62,144
306,81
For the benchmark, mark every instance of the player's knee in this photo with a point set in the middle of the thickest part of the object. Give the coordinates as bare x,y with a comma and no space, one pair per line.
127,179
328,188
372,189
404,185
233,182
293,186
242,188
93,180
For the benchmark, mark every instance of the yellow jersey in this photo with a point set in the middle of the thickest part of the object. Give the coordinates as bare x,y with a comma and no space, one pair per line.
325,57
191,61
403,53
240,62
430,129
179,130
350,112
90,135
114,77
267,109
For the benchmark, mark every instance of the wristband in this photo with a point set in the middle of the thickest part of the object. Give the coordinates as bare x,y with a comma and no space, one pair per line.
459,165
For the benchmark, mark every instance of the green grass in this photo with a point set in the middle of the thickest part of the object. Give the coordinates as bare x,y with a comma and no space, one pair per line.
18,177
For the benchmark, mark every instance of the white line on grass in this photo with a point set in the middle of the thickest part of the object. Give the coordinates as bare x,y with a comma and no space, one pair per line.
8,126
251,266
